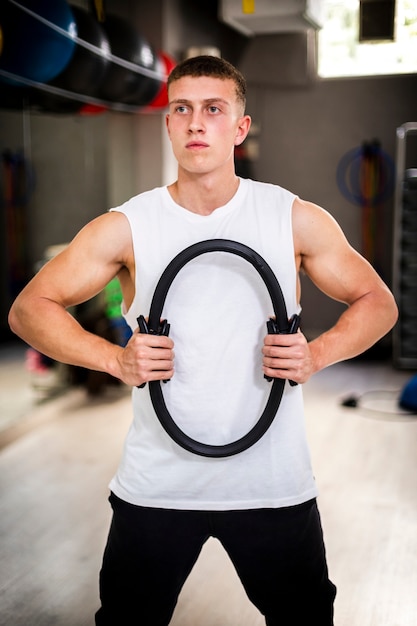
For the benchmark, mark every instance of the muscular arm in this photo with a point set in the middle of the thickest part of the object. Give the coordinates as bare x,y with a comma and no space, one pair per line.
324,254
39,315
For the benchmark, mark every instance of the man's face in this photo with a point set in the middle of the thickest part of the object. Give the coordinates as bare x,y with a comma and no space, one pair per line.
205,122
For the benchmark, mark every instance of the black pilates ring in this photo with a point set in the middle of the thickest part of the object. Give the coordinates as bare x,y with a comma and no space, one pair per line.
154,326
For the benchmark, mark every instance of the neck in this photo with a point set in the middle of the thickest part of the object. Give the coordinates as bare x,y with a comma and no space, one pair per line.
203,195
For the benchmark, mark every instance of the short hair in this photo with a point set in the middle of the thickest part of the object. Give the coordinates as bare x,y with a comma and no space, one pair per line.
215,67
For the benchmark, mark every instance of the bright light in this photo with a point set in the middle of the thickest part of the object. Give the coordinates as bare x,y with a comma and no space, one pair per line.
341,54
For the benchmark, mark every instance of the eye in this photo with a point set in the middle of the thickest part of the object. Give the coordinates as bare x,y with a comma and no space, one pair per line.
213,109
181,108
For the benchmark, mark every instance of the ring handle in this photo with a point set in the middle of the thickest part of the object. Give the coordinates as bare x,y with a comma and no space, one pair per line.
154,325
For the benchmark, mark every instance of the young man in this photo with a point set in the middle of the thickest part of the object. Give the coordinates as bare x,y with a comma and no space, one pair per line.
261,503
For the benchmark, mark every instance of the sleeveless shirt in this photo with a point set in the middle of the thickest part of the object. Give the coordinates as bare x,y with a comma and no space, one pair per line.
217,307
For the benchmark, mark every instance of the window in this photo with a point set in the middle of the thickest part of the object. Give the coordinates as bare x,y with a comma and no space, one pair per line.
342,53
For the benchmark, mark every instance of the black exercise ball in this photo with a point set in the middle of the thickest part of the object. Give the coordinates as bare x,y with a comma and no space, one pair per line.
122,84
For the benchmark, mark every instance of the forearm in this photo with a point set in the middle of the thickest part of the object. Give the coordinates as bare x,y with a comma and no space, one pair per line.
50,329
359,327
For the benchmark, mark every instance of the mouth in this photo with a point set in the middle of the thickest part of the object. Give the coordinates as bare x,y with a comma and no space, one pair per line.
196,145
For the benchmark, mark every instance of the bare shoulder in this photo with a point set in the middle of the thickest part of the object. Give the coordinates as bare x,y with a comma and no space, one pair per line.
325,255
315,230
109,233
106,241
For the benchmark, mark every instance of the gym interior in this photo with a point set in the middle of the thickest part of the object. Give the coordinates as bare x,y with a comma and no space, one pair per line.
76,142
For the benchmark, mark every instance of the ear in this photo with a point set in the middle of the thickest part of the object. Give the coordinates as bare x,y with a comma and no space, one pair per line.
167,124
243,129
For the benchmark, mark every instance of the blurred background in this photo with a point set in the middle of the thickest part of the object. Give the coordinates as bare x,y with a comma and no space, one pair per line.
333,98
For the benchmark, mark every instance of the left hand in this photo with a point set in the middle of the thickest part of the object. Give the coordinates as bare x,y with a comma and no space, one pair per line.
287,356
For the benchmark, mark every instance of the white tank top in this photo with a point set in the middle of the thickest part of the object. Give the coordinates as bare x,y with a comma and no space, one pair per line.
217,307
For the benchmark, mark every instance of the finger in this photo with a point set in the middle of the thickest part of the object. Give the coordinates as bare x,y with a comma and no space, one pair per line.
154,355
160,375
150,370
276,352
287,372
281,340
279,363
152,341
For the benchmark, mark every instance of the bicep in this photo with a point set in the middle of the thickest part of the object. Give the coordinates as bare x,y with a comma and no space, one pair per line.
333,265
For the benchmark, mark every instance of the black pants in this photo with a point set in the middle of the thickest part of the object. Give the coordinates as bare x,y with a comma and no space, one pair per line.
278,554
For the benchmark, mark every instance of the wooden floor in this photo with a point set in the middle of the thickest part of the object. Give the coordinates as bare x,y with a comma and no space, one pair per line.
54,514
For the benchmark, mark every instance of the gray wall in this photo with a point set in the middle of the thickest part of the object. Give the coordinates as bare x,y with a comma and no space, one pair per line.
304,133
83,165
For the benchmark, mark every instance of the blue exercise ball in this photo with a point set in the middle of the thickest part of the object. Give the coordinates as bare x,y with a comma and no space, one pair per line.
85,71
32,49
408,396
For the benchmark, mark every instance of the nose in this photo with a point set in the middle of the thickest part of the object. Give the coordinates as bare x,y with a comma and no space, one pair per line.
196,123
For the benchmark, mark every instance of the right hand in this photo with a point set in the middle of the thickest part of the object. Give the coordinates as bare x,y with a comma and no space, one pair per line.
146,358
